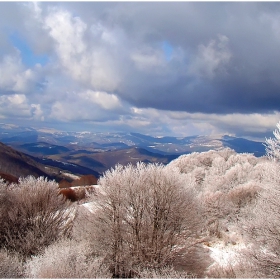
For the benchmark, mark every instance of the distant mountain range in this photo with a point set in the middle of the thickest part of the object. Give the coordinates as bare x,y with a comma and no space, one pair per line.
85,153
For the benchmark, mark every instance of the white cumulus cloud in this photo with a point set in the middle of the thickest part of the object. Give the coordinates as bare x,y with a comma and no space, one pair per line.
105,100
14,77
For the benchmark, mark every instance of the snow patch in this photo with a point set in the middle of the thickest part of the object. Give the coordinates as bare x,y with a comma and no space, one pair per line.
70,175
90,206
225,255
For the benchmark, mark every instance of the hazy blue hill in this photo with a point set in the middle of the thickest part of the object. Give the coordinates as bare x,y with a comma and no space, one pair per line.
145,152
115,145
241,145
86,160
42,148
163,140
69,167
19,137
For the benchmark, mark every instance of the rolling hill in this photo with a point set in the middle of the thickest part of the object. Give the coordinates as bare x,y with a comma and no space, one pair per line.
15,164
18,164
101,161
42,149
84,153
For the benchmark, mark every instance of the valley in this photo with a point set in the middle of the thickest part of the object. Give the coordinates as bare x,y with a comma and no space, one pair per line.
83,153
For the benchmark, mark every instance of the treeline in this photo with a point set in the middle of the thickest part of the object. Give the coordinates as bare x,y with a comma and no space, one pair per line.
148,221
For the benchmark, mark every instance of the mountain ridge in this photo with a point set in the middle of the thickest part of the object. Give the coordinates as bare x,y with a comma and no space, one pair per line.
100,141
86,153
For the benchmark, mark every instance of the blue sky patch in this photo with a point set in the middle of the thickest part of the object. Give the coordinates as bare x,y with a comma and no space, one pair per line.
168,50
29,58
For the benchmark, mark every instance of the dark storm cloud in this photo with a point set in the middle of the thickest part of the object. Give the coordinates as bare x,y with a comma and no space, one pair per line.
246,82
230,95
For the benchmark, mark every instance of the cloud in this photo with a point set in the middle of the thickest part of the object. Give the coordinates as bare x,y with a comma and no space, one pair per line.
14,78
88,63
148,60
67,32
211,59
232,123
105,100
160,67
15,105
37,112
88,106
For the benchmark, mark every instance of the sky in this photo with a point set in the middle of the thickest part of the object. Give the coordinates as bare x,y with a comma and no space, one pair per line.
157,68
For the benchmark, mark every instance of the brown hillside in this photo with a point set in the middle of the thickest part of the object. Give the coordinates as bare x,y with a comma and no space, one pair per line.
85,180
18,164
8,178
64,184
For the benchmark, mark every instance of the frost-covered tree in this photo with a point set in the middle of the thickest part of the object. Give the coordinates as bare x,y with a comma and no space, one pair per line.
272,145
224,182
144,214
262,224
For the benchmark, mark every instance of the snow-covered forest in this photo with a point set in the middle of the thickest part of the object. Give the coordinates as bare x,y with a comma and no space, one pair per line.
213,214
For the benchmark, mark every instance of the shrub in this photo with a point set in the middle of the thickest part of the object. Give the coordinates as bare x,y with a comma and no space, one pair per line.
166,272
67,259
32,215
10,265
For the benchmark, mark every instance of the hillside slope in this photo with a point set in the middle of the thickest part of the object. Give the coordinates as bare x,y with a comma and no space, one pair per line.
18,164
101,161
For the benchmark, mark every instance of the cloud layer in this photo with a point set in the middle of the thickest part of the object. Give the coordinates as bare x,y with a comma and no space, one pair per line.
158,68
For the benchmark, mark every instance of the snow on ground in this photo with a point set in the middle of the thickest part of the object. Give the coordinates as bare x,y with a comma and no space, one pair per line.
99,189
70,175
88,188
225,254
90,206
